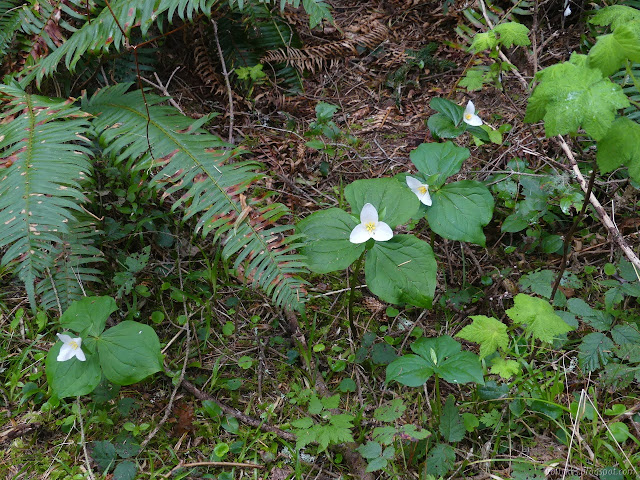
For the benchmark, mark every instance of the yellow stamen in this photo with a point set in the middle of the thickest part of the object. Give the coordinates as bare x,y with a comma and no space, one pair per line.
468,116
370,226
73,344
422,189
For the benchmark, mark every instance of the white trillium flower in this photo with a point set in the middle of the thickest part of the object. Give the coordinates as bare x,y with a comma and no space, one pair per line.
70,348
470,116
420,189
370,227
567,11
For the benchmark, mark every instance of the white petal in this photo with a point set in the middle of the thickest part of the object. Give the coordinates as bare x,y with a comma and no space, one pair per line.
383,232
369,214
567,11
359,234
64,338
66,352
473,120
425,198
413,183
470,109
80,354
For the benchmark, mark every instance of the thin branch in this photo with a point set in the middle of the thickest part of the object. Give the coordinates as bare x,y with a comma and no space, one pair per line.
604,217
83,441
225,73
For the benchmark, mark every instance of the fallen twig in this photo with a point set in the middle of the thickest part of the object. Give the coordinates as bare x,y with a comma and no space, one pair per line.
225,73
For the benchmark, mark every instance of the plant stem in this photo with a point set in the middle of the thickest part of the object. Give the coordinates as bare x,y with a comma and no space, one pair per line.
569,235
437,407
354,280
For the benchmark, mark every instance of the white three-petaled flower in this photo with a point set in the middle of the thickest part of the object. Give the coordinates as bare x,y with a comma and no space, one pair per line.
70,348
567,11
420,189
470,116
370,227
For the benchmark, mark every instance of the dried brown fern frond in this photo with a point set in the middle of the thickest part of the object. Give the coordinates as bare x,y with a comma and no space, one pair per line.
314,58
205,67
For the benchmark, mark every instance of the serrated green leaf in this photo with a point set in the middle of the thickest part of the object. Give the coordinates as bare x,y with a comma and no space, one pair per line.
611,51
505,368
570,96
460,210
595,351
327,246
512,33
620,146
484,41
488,332
537,317
451,423
625,333
615,15
370,449
125,471
103,453
473,80
440,459
391,411
402,270
439,161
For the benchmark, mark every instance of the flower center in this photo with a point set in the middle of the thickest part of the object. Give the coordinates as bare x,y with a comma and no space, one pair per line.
422,189
370,226
468,116
73,344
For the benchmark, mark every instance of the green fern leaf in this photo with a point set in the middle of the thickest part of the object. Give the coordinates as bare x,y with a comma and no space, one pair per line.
10,21
44,159
195,163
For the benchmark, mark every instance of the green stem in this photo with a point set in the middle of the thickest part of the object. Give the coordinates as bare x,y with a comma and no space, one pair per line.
437,406
354,280
633,78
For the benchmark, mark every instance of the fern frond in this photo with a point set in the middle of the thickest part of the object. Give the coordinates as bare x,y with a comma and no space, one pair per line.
195,163
42,161
71,269
102,32
10,21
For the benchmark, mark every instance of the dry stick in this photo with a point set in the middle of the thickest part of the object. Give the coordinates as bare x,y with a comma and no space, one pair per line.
83,440
569,236
226,78
604,218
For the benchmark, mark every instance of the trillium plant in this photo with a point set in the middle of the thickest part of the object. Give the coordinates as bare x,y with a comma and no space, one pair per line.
123,354
452,120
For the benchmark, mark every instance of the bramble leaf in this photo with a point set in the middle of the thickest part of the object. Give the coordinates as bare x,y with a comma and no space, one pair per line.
488,332
512,33
611,51
571,95
620,146
615,15
451,423
505,368
538,317
595,351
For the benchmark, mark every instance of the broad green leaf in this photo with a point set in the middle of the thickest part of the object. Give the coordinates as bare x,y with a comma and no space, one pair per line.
625,333
402,270
449,109
370,449
443,354
619,431
441,159
505,368
88,316
410,370
129,352
538,318
460,210
611,51
325,111
514,223
595,351
488,332
440,460
615,15
512,33
451,423
73,377
441,126
104,454
327,246
377,464
125,471
395,203
621,146
571,95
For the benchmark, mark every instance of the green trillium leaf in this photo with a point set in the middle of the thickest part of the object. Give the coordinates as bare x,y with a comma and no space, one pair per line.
438,161
73,377
402,270
327,246
460,210
395,203
129,352
88,316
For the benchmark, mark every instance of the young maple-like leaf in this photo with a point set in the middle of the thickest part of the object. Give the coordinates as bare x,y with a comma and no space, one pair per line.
512,33
505,368
488,332
538,318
